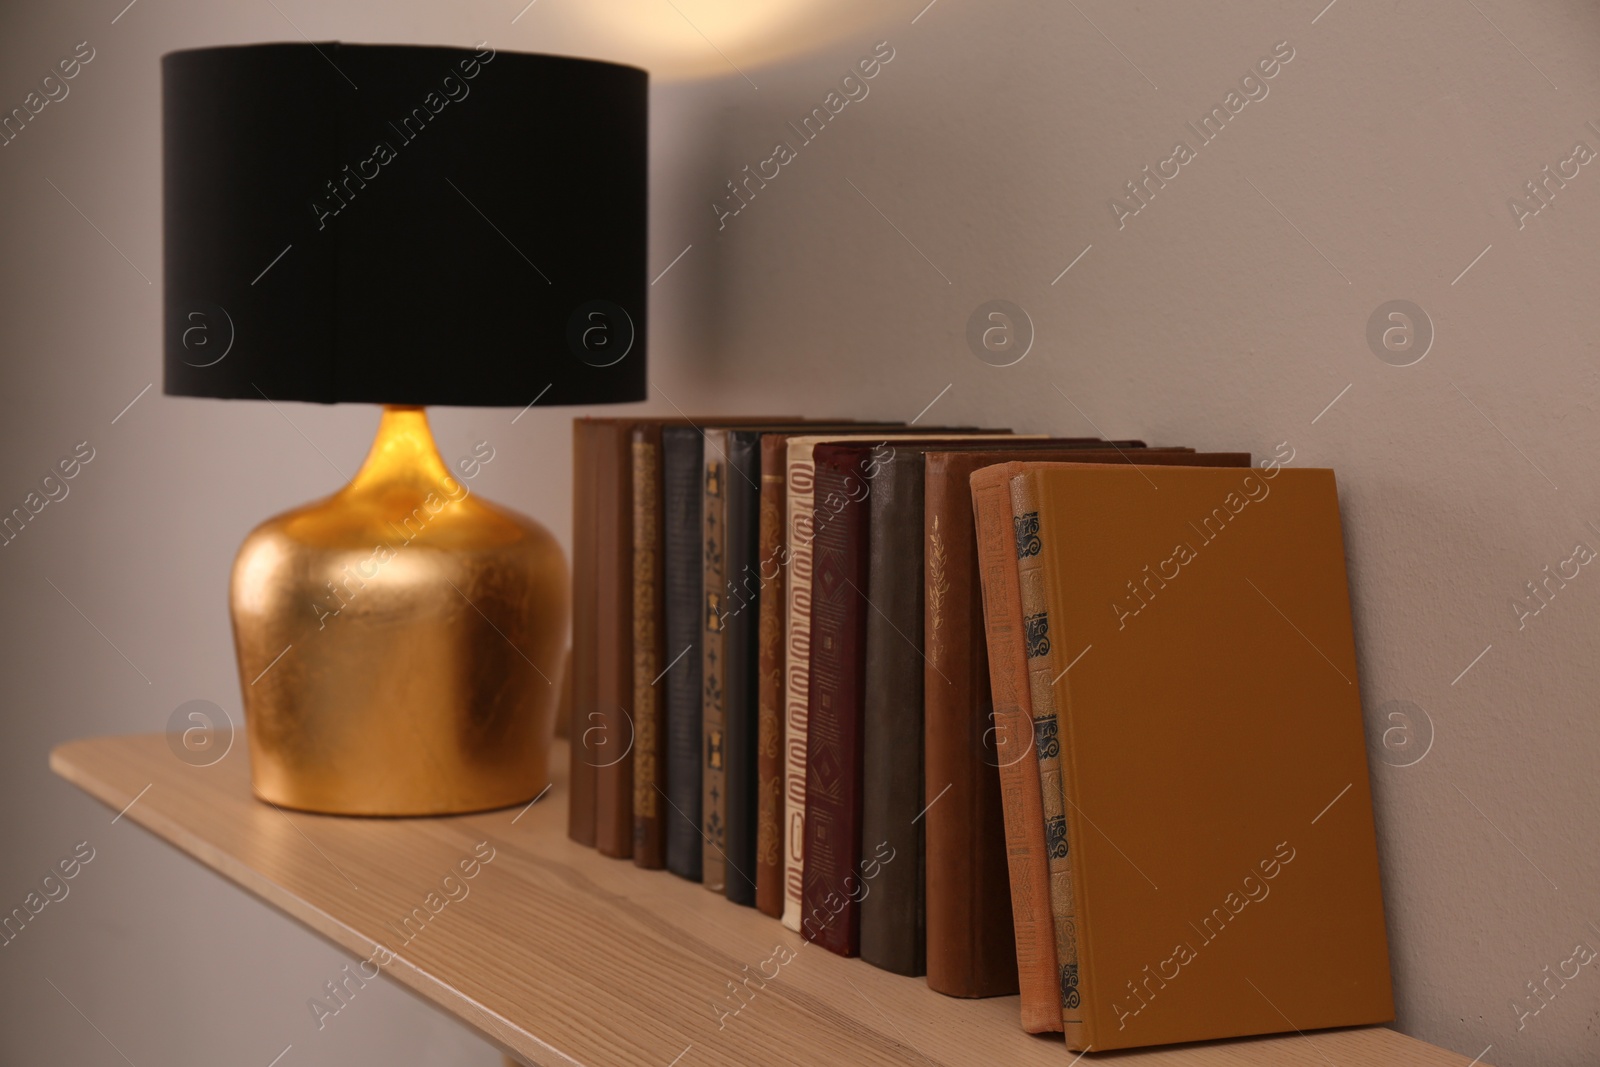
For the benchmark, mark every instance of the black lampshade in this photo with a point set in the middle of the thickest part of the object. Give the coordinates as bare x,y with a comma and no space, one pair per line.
404,225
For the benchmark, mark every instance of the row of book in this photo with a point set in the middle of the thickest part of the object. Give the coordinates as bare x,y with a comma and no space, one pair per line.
796,680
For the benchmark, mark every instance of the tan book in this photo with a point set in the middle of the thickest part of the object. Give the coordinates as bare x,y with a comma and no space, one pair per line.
799,528
1193,633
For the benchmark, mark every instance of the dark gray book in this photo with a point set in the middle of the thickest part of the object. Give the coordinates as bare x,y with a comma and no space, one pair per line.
893,913
682,468
741,613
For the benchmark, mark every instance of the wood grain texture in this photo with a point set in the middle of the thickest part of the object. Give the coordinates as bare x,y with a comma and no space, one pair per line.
559,955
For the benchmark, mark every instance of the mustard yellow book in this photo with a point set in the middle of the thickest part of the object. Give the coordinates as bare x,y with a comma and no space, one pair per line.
1202,667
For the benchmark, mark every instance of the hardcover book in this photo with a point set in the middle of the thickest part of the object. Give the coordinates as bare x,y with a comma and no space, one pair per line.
683,470
833,886
583,669
649,649
1191,629
1043,657
605,741
740,595
773,569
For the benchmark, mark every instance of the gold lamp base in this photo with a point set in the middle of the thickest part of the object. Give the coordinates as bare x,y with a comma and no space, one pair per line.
400,642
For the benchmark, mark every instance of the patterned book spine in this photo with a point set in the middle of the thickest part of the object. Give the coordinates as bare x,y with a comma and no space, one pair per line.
769,700
649,848
1037,973
1046,665
834,887
800,484
713,777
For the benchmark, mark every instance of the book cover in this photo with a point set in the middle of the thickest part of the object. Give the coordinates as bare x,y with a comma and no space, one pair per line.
893,913
649,648
742,594
583,668
833,886
773,570
1218,812
1011,731
683,470
1047,663
606,740
713,656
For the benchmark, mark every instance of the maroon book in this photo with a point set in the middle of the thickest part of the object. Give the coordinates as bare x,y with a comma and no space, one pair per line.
834,884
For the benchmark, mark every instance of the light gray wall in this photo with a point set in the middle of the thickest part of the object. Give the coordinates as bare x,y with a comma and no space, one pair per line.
1228,313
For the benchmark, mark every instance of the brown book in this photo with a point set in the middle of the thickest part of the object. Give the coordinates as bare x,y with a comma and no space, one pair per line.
583,668
649,649
977,880
774,572
1047,663
607,741
1192,631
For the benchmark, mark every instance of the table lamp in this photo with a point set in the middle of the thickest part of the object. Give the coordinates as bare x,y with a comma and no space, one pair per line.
402,226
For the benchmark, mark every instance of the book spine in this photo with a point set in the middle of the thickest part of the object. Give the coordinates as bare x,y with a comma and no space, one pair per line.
610,732
970,931
800,485
1047,663
1016,759
681,463
893,912
585,667
740,607
649,843
713,724
832,890
772,570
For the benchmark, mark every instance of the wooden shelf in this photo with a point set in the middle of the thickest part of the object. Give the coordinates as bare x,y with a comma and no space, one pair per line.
559,955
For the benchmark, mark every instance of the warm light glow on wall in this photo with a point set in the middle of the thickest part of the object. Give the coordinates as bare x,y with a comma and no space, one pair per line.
681,40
